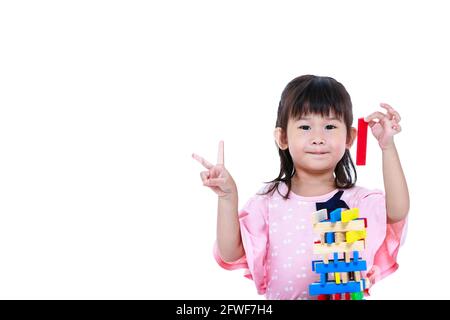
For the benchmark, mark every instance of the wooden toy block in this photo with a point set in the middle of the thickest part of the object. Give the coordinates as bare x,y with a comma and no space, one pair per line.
351,276
340,266
358,224
329,237
361,144
338,247
335,257
365,222
352,236
335,215
337,277
323,278
319,216
347,257
339,237
336,296
317,288
344,277
341,230
350,214
357,295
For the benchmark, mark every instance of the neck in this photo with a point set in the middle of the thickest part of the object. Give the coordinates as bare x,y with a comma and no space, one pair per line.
312,184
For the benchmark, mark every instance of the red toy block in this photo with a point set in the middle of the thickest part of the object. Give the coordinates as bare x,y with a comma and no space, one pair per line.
336,296
361,146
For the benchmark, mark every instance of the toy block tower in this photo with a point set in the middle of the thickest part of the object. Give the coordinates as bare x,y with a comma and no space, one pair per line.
342,232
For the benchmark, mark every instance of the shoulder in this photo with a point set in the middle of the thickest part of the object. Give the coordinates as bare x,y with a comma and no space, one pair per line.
356,195
258,203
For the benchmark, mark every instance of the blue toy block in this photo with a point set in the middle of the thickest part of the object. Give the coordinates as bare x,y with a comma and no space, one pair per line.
319,266
323,278
335,257
317,288
335,215
355,255
329,237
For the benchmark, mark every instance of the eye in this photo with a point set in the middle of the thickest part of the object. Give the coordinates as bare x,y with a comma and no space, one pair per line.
304,127
330,126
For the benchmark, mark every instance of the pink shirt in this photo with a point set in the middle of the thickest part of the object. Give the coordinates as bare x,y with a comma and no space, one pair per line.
278,237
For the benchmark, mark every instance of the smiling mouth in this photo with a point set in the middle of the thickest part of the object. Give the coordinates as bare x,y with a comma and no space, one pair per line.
318,153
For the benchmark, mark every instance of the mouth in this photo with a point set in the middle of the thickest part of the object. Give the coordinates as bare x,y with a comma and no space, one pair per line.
318,153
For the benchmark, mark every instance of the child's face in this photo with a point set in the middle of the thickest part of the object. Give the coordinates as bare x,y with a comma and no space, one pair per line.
317,143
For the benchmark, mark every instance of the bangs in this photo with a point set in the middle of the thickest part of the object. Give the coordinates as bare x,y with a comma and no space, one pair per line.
320,96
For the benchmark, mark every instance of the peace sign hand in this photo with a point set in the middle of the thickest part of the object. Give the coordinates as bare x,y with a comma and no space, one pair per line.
217,178
386,127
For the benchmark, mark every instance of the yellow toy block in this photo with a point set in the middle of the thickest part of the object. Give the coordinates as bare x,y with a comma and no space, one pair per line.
352,236
349,215
337,277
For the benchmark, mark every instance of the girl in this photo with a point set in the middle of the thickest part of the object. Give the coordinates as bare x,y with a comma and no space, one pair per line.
272,236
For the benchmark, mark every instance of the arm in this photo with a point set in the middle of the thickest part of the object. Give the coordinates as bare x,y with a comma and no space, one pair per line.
229,240
397,195
396,189
219,180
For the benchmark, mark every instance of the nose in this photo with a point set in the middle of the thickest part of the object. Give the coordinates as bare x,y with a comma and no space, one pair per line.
318,141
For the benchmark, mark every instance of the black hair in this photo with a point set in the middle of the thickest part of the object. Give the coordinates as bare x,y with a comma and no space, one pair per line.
310,94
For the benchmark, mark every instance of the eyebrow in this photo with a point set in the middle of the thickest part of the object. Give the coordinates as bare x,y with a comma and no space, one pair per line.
327,118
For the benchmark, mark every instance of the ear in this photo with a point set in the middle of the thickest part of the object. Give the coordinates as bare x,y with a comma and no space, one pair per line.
351,140
280,138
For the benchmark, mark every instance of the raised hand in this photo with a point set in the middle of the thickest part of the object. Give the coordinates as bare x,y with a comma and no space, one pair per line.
217,178
386,127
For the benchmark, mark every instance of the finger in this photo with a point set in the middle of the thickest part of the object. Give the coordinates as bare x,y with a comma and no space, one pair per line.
215,182
216,172
205,163
397,127
392,111
385,105
220,154
396,115
376,115
372,123
204,175
390,114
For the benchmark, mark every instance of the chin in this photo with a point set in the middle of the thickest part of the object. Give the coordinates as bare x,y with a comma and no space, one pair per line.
319,169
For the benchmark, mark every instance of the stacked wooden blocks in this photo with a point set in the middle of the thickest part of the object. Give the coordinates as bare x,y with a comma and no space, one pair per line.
341,232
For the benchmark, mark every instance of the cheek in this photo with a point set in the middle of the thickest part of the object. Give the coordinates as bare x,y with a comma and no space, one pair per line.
338,145
296,148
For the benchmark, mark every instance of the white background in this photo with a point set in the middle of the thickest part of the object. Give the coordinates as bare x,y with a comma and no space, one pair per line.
103,102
